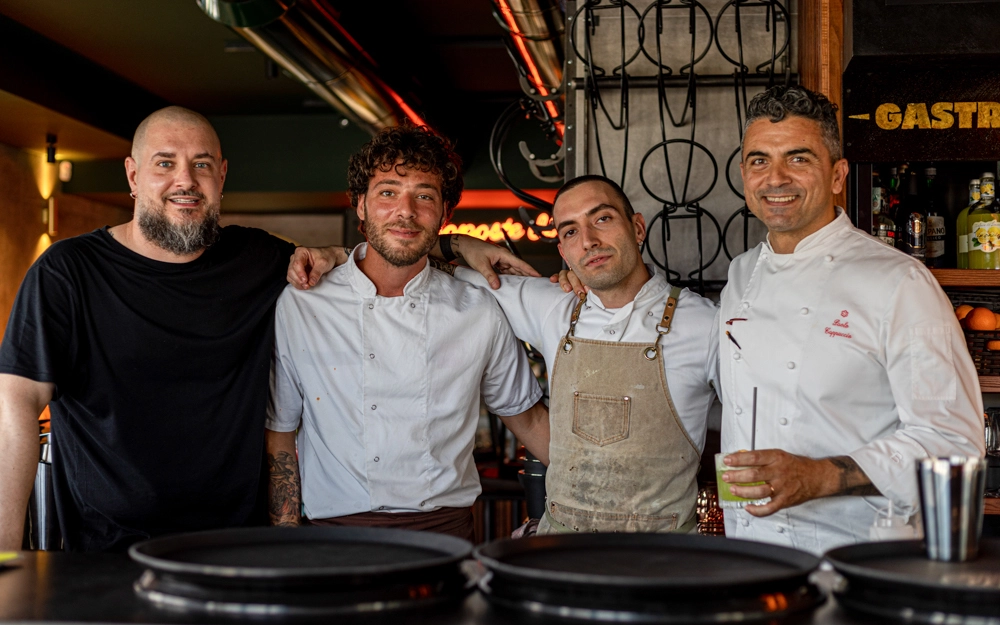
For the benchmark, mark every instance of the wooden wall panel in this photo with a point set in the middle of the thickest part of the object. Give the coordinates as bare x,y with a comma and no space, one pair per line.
821,52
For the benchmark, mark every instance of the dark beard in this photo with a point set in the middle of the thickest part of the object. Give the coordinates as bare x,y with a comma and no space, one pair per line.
183,240
398,256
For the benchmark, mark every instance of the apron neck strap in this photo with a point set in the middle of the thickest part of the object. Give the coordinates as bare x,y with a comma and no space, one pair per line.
576,315
663,327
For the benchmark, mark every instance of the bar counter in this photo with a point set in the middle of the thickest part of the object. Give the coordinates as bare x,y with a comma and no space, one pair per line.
56,587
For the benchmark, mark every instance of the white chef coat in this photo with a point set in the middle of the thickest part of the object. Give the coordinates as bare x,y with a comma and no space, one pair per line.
387,389
539,312
855,351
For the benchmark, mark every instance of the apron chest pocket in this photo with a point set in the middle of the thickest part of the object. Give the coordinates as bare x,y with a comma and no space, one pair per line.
601,419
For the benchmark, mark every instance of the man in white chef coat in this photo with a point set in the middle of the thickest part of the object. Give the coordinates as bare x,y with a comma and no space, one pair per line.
631,371
860,366
381,366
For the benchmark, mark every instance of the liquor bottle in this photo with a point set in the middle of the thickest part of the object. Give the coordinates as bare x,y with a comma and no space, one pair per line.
894,194
984,227
937,230
912,221
878,200
962,225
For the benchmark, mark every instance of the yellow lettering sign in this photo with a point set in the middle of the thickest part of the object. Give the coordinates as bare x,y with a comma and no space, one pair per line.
943,118
965,111
915,117
989,115
887,116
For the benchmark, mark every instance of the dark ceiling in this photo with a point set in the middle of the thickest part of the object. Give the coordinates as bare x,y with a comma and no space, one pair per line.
447,55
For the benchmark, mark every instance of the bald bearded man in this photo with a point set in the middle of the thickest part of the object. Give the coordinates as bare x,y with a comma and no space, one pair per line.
151,342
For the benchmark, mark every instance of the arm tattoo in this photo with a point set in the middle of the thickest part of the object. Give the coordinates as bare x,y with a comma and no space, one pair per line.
448,268
284,490
853,480
456,246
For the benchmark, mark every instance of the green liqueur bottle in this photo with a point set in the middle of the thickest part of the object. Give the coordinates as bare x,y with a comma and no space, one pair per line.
962,225
984,227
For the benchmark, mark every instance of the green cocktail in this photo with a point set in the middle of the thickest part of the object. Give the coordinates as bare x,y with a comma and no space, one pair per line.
727,500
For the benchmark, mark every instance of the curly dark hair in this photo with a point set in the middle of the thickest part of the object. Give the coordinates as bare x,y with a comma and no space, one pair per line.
413,147
780,101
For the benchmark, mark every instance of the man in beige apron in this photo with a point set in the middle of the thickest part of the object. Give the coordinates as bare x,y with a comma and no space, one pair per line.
631,372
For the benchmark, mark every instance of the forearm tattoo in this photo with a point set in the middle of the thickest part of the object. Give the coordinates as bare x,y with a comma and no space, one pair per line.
437,263
284,490
853,480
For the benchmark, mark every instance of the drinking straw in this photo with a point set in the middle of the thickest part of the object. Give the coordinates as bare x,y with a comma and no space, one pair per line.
753,422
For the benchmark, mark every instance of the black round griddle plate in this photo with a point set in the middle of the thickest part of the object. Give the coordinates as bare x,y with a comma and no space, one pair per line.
649,577
896,580
307,570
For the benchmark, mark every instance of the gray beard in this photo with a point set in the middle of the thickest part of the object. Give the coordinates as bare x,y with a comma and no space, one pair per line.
185,239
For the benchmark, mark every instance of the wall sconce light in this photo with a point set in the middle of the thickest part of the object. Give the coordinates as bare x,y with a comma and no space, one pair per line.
50,148
50,216
65,171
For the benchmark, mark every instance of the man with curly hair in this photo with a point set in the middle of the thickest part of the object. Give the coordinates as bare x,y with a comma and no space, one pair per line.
850,349
381,366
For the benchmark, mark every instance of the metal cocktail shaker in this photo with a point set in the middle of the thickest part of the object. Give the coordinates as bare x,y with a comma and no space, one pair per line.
951,497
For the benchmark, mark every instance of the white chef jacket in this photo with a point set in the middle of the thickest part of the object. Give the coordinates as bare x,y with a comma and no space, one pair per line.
855,351
387,389
539,312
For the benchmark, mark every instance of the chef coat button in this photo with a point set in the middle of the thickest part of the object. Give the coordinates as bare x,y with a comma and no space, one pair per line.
783,421
370,306
371,355
738,410
744,522
649,314
790,365
373,406
412,305
780,530
745,305
804,311
828,258
381,507
736,356
611,331
376,458
423,503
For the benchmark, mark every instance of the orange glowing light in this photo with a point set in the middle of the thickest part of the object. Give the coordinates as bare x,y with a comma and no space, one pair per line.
494,232
536,76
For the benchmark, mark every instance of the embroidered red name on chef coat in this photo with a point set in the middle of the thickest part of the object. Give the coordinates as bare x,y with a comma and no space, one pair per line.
840,323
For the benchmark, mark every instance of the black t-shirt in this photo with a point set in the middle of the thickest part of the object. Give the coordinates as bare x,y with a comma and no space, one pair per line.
161,375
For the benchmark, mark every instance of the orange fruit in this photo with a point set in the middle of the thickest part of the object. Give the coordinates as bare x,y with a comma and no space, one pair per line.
997,316
962,311
993,346
981,319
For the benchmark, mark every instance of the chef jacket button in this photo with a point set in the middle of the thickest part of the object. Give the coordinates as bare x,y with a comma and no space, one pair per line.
370,306
649,314
744,522
381,507
790,365
423,503
373,406
738,410
736,356
804,311
611,331
780,530
828,258
745,305
376,458
412,305
783,421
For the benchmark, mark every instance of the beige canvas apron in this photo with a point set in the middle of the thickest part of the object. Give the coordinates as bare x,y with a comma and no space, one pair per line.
620,460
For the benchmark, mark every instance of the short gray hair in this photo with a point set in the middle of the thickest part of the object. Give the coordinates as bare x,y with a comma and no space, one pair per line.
780,101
